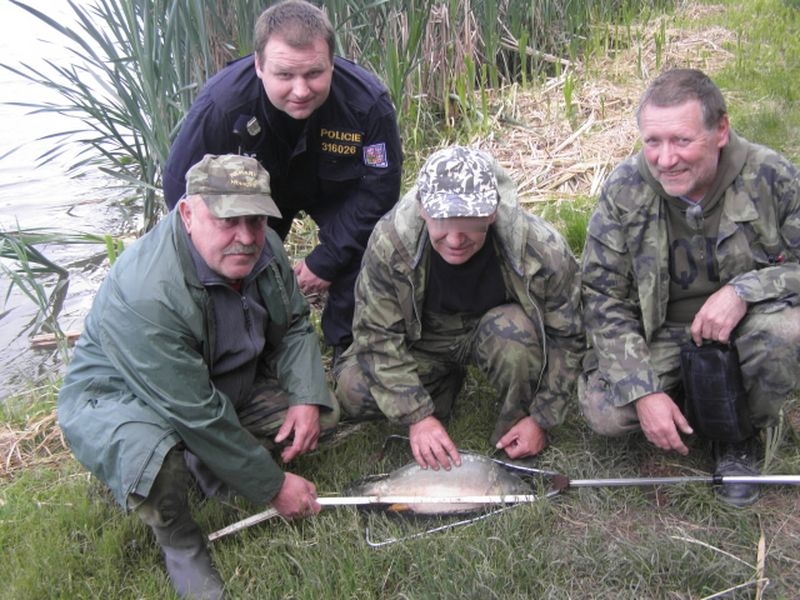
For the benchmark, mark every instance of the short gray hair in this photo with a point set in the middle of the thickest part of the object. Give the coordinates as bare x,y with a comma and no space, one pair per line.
676,86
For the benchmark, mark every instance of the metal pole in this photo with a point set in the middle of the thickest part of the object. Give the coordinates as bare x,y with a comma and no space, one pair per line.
709,479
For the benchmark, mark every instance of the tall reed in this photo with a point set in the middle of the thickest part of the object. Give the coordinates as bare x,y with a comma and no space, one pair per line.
26,267
136,65
133,68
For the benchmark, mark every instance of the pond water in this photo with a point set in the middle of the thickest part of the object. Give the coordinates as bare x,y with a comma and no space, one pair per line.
34,196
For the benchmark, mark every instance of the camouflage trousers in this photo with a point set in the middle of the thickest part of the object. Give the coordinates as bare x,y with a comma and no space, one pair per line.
769,355
265,411
504,344
262,415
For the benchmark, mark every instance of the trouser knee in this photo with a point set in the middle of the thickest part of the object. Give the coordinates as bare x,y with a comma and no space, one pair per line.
353,394
442,380
265,412
167,503
769,353
507,347
599,410
508,342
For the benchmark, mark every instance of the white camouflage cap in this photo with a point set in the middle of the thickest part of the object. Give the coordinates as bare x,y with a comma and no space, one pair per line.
458,182
232,185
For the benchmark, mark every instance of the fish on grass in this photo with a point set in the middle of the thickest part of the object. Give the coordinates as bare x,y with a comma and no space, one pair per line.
477,476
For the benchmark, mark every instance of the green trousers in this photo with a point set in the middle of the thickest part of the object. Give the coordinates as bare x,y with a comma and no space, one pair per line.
769,355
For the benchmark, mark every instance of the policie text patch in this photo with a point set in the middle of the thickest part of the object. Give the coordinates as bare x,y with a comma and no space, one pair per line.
340,142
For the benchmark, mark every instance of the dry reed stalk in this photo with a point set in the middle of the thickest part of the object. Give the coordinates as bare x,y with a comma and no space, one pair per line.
40,442
552,158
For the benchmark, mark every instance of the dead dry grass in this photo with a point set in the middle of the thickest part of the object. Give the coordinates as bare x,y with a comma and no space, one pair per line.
556,152
39,442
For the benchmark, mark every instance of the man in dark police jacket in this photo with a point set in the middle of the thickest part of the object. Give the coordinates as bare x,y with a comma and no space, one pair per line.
326,131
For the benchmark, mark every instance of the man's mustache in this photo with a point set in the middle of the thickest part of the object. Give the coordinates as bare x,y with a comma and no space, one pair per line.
240,249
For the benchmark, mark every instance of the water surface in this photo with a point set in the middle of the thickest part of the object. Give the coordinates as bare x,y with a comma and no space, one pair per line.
34,196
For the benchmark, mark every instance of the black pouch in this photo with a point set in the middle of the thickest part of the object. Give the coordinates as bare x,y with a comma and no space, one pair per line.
716,403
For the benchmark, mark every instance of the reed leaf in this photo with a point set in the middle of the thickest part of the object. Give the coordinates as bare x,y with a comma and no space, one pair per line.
31,272
134,66
27,269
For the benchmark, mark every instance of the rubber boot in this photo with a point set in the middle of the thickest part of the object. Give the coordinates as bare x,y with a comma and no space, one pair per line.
188,562
166,511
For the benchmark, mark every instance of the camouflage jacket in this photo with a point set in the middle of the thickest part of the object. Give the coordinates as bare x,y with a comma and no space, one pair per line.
625,259
540,272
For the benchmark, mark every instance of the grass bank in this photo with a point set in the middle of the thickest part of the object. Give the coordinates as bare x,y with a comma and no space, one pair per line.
63,538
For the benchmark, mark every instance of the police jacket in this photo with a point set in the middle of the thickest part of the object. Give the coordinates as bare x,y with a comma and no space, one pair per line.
626,258
540,274
139,382
344,170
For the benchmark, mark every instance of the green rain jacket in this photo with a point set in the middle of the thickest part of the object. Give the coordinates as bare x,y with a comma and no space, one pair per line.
541,275
625,259
139,381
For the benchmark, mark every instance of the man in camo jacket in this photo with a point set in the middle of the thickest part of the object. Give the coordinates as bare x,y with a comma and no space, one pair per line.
457,275
695,239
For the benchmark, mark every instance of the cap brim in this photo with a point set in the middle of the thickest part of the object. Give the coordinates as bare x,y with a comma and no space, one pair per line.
224,206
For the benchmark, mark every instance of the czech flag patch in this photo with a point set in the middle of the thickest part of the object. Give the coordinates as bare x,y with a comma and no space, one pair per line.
375,156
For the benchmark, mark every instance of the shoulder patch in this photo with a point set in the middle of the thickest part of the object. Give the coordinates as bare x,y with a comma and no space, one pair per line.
375,156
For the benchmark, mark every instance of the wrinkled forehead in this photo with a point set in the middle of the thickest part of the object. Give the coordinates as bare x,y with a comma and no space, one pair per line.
459,224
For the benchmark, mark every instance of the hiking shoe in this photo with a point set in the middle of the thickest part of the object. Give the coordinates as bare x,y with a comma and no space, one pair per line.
739,458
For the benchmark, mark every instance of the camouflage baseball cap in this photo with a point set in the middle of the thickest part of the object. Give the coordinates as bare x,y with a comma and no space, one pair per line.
458,182
232,186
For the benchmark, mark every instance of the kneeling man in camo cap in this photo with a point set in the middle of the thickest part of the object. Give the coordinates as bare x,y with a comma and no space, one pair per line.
196,360
457,274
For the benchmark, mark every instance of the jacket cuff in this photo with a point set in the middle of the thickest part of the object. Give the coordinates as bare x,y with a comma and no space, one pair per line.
322,264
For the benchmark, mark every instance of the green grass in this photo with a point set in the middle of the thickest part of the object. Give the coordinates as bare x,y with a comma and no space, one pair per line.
571,218
762,77
63,538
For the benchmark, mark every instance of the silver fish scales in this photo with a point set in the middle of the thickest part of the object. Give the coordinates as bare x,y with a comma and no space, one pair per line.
477,476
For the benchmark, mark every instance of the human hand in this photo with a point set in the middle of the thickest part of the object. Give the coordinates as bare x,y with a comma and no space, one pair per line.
302,423
431,446
525,438
718,316
309,283
662,422
296,498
